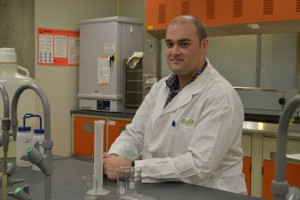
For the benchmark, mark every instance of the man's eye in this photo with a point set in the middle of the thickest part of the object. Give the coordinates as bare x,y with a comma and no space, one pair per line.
169,45
184,44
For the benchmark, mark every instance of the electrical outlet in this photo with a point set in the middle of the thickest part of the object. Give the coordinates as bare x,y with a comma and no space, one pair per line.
150,46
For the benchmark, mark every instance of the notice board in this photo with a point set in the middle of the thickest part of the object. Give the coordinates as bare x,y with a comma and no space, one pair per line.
58,47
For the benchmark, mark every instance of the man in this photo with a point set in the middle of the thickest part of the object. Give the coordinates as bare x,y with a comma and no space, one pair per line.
189,126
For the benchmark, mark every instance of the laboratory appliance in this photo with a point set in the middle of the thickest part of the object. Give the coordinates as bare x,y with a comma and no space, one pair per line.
104,44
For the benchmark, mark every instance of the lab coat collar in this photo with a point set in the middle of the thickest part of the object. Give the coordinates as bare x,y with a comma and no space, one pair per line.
185,96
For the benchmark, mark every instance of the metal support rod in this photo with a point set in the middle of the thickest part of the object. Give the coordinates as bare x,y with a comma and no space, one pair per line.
5,101
258,60
5,138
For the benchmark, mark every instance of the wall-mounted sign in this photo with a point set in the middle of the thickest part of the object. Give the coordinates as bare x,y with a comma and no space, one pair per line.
58,47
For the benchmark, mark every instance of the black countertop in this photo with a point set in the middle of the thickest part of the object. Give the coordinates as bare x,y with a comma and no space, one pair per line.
67,185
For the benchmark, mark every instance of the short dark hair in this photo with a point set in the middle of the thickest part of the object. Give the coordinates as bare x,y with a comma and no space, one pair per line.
200,26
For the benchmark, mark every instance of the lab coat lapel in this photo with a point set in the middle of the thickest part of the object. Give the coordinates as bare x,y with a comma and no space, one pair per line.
185,96
161,98
181,99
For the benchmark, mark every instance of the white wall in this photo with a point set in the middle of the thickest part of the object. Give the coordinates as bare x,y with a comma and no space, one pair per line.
60,83
132,8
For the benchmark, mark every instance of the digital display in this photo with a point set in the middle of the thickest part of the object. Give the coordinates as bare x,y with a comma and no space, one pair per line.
103,105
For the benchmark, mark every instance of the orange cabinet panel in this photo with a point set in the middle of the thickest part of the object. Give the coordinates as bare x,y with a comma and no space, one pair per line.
115,126
83,130
160,12
217,13
292,176
247,172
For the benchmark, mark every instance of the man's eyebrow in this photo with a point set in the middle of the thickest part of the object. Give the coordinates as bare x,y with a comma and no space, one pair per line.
181,40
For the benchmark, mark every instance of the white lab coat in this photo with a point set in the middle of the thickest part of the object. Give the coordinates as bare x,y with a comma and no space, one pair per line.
196,139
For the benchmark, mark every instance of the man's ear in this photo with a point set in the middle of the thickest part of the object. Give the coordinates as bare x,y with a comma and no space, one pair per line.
204,43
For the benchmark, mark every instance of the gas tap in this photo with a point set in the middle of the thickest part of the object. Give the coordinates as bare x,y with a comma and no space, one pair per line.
47,143
280,187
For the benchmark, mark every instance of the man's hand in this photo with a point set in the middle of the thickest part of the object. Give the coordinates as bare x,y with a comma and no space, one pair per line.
111,163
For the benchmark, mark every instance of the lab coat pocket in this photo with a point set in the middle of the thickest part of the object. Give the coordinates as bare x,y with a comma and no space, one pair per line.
179,140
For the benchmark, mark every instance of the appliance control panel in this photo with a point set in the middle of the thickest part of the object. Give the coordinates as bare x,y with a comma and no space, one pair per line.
103,105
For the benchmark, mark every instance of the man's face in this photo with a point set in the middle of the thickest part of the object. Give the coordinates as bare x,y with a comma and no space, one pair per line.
183,48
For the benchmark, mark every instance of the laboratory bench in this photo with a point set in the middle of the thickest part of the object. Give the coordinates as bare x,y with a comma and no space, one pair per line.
67,184
258,143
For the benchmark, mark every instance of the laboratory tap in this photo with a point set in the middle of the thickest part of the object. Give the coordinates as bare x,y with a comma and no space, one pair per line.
280,187
5,138
47,143
10,170
22,193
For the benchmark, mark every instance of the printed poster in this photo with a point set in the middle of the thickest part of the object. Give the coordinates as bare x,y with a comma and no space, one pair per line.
58,47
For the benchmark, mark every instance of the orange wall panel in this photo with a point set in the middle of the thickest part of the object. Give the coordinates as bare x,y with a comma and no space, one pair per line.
217,12
152,13
197,8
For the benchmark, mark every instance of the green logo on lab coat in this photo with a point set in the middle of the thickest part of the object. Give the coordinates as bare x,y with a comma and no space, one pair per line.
187,122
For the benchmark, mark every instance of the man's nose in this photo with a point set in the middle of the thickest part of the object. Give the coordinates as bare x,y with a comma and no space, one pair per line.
175,50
